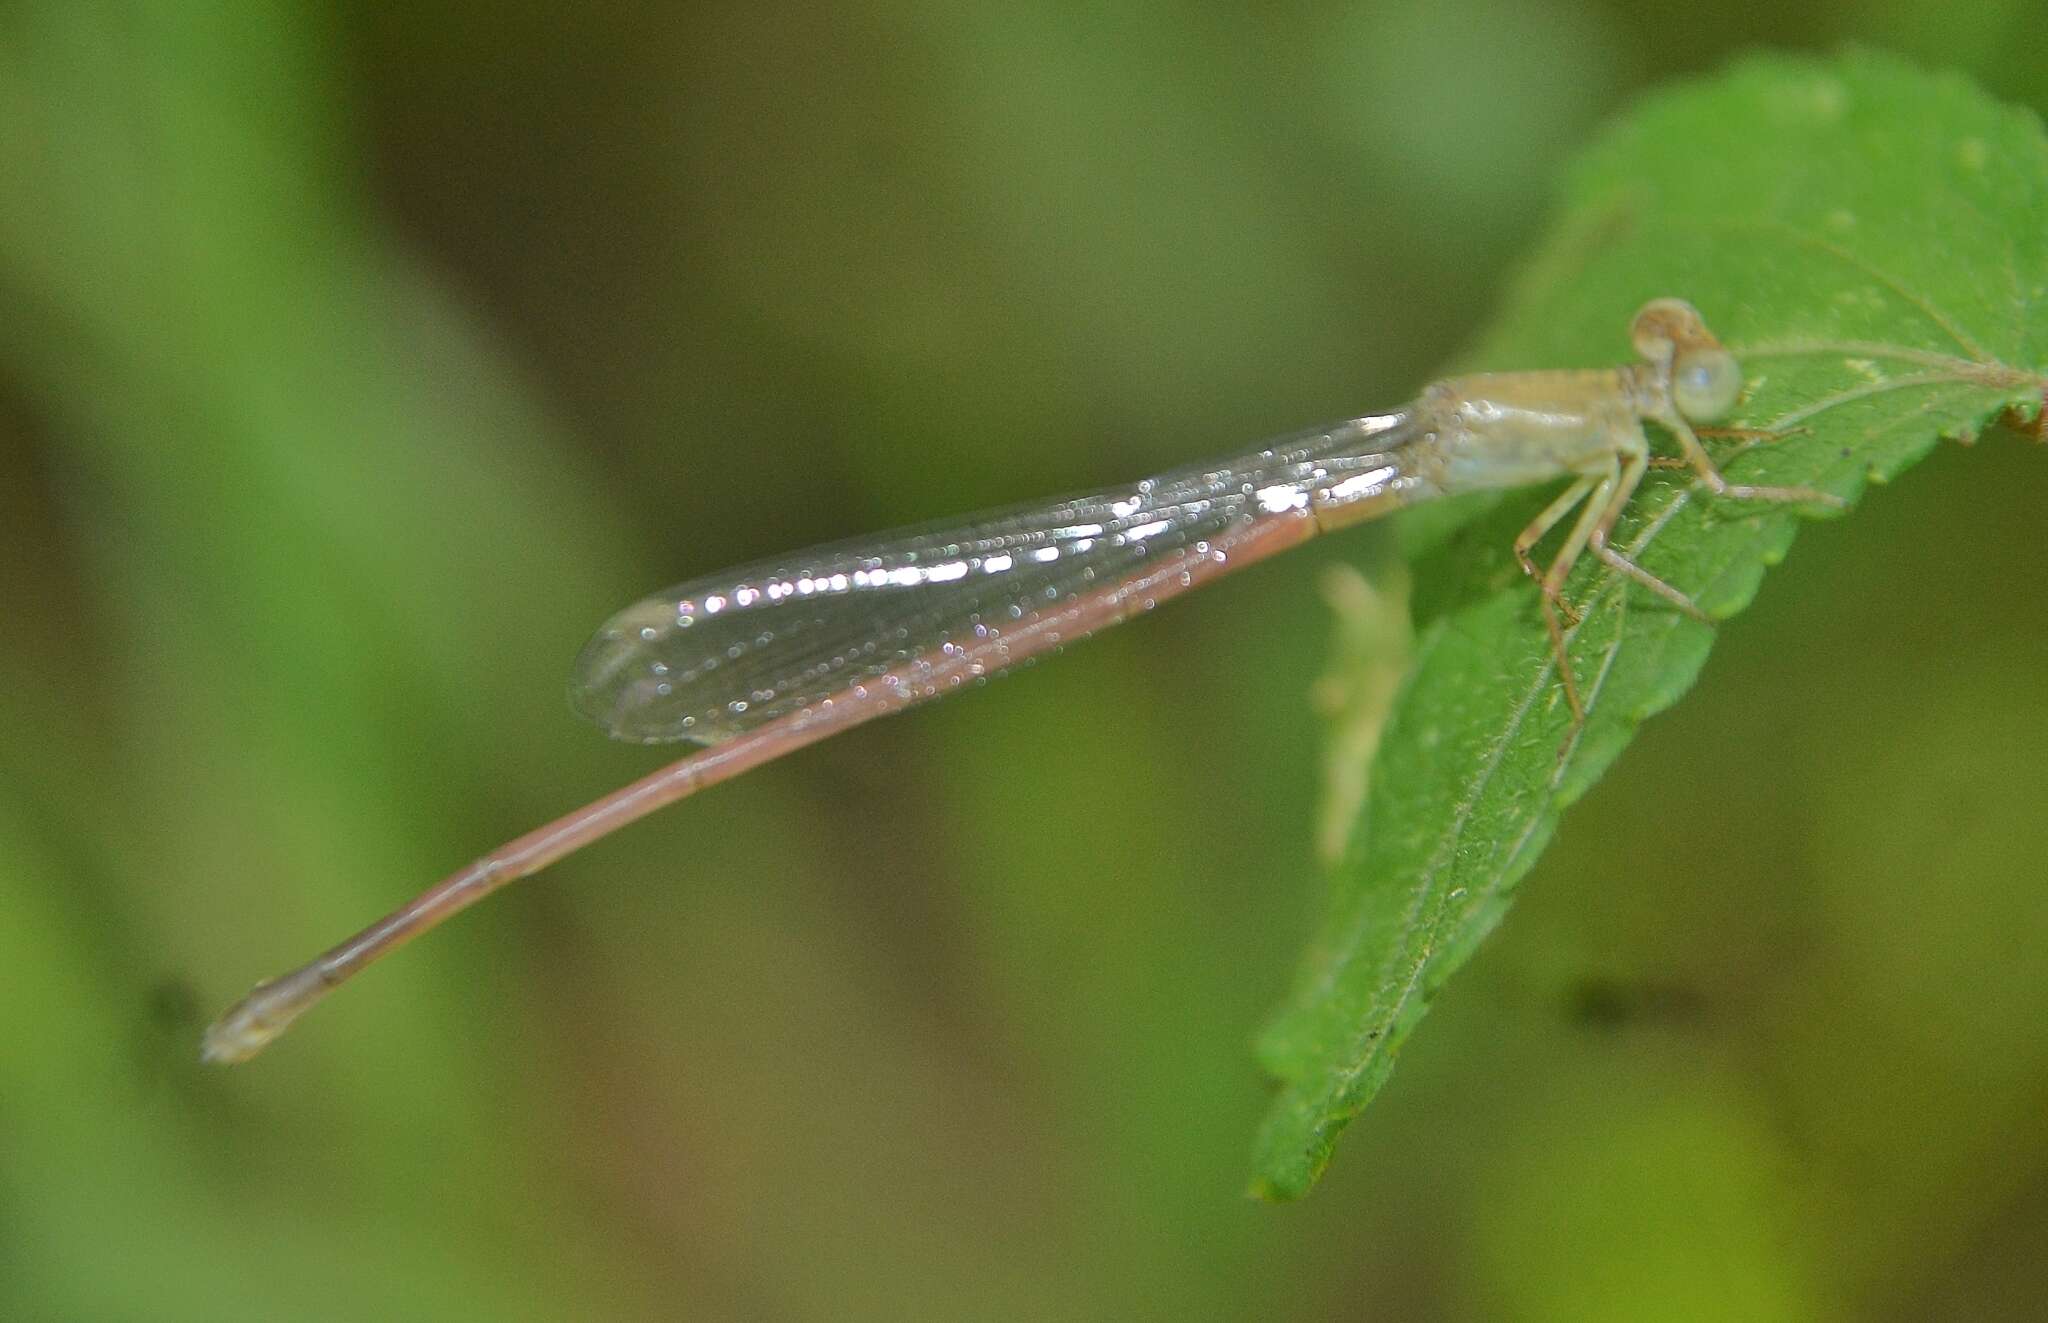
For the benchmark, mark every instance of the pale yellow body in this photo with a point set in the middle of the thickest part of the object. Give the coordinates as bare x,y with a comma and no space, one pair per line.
1518,429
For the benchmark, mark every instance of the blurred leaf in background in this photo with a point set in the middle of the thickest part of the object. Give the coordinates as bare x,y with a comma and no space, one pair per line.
358,359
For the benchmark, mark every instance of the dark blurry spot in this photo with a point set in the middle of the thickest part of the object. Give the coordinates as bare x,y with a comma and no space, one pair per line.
1610,1004
173,1004
166,1034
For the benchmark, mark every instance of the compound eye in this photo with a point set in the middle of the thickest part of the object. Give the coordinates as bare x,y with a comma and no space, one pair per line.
1704,384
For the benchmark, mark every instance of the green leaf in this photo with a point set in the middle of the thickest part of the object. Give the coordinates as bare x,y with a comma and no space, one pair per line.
1868,239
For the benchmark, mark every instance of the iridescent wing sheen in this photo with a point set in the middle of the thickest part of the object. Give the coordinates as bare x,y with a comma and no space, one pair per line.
716,656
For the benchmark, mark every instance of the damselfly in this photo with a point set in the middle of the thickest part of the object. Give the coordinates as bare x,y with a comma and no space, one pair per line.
763,659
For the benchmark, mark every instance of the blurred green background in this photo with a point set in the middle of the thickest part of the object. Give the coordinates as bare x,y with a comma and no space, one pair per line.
357,359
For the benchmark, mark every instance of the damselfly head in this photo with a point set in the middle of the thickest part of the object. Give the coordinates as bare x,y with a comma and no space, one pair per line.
1705,378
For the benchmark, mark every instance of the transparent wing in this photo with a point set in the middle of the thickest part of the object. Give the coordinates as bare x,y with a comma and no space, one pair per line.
710,658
